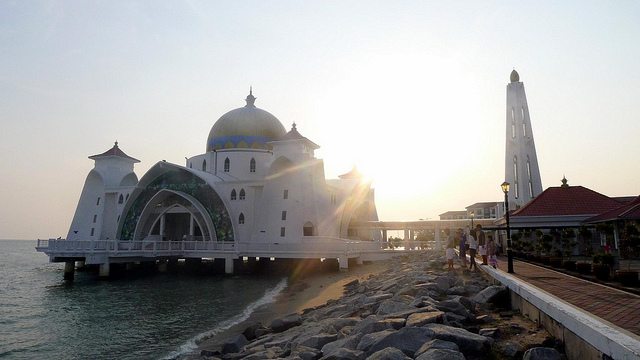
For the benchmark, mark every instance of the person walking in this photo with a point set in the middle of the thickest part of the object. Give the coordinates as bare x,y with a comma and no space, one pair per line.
462,247
473,247
482,244
493,259
450,245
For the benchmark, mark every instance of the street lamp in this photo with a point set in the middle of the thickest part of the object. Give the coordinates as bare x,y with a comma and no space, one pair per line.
505,190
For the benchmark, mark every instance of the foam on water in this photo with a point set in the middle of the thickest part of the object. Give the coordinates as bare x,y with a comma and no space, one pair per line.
192,343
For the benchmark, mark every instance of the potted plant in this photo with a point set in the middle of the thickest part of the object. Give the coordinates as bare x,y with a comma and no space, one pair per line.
556,259
568,244
602,264
629,246
544,246
583,267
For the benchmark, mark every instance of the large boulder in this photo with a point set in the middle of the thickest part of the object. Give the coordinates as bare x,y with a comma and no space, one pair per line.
235,344
408,340
441,354
420,319
388,354
318,341
369,339
286,322
392,306
350,342
345,354
490,294
468,342
540,353
437,344
372,324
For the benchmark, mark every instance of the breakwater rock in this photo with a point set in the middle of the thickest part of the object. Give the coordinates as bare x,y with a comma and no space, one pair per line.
414,310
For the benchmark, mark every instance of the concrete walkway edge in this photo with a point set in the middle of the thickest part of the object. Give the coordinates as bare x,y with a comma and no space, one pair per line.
602,335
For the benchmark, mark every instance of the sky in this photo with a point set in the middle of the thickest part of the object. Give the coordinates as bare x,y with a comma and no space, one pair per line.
413,93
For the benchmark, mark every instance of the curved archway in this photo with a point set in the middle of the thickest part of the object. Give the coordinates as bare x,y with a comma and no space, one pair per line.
175,215
364,212
191,191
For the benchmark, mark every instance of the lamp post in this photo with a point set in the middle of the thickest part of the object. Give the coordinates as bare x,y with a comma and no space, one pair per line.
505,189
472,215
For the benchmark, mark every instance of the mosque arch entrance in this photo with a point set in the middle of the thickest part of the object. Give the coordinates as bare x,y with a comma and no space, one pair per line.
174,216
364,212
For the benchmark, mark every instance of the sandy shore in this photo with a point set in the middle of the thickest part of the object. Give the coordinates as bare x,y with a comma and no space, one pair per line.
310,291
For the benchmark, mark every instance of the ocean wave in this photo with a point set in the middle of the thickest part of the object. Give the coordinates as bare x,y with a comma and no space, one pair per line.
192,344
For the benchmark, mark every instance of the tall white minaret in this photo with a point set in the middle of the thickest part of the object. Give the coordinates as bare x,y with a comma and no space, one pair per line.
521,163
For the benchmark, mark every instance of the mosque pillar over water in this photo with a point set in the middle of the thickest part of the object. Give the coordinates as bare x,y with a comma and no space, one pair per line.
69,268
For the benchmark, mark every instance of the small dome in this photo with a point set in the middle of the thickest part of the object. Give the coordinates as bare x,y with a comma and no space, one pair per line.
245,127
514,76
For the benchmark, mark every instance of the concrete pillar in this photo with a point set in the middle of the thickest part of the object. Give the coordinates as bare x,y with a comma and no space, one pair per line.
104,270
437,236
343,263
228,265
69,268
384,236
359,260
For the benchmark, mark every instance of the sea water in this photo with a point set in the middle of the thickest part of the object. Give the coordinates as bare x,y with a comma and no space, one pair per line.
143,317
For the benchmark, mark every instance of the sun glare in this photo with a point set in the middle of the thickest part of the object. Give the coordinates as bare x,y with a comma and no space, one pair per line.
403,127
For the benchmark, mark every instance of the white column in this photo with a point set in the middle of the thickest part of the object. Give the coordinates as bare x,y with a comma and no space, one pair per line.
437,236
104,270
343,263
228,265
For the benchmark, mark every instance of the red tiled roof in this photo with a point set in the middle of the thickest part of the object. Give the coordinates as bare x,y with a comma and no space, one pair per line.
630,211
114,151
569,200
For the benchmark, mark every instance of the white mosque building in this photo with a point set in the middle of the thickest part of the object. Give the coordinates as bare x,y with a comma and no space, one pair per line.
256,185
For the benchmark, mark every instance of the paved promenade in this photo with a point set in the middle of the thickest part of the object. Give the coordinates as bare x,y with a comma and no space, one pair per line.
615,306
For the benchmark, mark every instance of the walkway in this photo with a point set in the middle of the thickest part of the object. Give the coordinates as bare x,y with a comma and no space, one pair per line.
615,306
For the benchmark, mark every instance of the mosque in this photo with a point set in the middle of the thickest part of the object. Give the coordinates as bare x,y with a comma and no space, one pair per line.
256,183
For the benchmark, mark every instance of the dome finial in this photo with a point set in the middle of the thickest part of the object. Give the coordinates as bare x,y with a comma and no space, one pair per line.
116,144
250,98
293,127
515,77
564,182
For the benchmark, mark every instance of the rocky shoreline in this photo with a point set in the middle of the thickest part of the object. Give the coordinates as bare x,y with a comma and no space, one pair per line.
414,310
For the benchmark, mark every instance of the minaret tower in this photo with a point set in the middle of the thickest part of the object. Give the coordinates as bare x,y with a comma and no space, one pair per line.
521,163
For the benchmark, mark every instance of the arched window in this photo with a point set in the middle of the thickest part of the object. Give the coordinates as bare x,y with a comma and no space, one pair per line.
529,176
120,199
524,124
515,176
227,164
513,123
284,215
204,165
252,165
307,229
242,194
241,219
233,194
